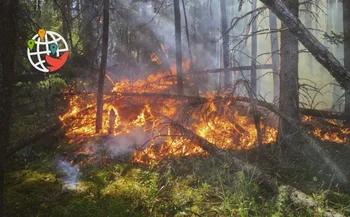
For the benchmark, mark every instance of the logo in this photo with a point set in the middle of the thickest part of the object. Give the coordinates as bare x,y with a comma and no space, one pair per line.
47,51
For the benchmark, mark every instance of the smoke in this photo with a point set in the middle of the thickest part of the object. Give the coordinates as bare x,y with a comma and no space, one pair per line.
328,18
122,147
204,25
70,174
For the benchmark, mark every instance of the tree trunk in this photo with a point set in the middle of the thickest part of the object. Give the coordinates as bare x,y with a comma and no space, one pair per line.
289,90
101,76
225,43
319,51
8,13
88,33
275,56
346,26
308,23
253,76
187,34
180,87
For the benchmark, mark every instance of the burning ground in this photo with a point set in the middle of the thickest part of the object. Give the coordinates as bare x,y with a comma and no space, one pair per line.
140,117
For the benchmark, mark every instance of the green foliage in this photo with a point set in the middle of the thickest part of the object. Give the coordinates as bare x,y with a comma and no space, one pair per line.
334,38
51,85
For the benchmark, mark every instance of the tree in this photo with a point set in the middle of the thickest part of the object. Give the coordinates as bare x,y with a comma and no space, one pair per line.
289,90
177,15
102,73
8,24
66,14
346,26
254,47
87,32
319,51
225,43
275,57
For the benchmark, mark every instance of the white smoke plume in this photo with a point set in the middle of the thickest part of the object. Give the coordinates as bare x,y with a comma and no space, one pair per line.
70,174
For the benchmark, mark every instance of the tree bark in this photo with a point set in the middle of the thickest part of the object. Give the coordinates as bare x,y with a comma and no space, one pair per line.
102,74
88,33
180,87
275,57
319,51
8,25
225,43
346,26
289,90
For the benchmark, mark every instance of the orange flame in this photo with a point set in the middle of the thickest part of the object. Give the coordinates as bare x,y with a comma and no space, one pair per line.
219,125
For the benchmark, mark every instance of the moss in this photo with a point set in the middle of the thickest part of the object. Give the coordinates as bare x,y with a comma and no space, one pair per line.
186,187
28,191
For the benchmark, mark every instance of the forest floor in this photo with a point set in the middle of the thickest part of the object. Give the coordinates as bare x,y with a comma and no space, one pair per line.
39,182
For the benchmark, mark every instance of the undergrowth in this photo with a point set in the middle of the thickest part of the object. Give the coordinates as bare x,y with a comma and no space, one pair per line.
191,186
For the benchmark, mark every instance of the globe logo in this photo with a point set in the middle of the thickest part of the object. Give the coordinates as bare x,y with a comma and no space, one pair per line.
47,51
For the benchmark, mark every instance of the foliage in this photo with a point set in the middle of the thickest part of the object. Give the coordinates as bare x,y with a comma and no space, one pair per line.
334,38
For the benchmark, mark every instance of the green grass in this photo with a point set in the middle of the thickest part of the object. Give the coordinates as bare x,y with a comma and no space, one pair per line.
190,186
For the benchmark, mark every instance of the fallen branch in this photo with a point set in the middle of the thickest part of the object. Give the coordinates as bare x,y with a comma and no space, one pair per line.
13,148
213,150
301,199
325,114
237,68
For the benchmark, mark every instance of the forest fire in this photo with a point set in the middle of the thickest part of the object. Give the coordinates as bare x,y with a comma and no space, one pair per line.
128,107
207,120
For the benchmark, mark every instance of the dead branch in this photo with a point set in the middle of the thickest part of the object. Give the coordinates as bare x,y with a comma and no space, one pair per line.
213,150
301,199
324,114
13,148
238,68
